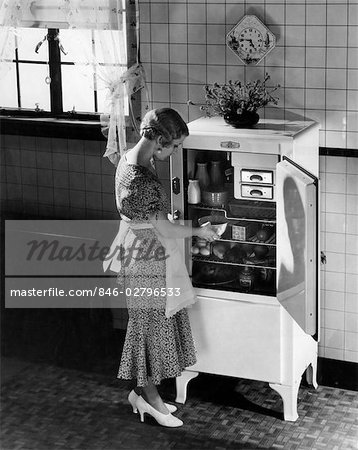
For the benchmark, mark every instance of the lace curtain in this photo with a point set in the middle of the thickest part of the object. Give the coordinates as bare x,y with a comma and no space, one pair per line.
112,74
11,15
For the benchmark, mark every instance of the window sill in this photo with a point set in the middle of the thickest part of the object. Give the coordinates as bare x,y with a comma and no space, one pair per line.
51,127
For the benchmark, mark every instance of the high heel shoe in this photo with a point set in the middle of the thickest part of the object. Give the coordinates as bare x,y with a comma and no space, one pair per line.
166,420
133,397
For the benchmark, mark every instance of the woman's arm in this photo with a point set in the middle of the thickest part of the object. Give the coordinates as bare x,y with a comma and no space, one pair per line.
169,230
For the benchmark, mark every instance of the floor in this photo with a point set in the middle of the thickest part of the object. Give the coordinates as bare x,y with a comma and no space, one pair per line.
45,407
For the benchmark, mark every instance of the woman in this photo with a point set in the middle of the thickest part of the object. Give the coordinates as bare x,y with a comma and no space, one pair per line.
158,343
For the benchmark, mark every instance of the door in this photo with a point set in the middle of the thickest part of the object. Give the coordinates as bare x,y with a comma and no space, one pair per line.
297,250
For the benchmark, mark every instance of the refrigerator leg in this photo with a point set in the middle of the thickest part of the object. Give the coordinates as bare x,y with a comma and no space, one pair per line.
289,398
182,383
311,374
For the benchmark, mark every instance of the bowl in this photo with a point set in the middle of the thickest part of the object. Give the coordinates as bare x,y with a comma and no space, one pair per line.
218,223
214,197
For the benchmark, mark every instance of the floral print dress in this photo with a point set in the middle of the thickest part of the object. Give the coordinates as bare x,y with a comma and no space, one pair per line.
155,346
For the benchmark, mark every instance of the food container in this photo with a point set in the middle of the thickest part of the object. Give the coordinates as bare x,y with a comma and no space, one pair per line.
214,197
218,223
242,231
247,279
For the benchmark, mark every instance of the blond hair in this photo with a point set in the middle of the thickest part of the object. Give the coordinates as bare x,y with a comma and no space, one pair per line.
164,122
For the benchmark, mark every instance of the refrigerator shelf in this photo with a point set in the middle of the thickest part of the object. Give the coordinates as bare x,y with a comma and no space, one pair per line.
250,241
214,260
246,214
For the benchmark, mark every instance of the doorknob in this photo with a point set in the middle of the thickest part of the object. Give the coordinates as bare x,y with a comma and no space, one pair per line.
176,214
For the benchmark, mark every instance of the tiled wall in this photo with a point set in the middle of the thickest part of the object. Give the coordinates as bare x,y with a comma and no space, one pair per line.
316,63
315,59
339,240
56,178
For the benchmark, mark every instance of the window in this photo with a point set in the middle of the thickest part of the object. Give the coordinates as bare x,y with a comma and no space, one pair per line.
49,73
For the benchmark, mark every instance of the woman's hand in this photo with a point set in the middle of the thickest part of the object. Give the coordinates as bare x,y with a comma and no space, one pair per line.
206,232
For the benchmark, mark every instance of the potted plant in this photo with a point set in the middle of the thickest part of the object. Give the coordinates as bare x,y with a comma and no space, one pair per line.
238,102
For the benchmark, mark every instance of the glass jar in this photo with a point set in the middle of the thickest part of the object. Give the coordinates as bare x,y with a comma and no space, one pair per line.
247,278
216,175
194,194
202,175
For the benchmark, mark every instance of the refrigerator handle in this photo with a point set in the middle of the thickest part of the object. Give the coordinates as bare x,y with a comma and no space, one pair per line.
176,185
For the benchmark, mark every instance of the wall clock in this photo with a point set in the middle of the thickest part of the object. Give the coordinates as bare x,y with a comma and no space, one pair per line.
250,40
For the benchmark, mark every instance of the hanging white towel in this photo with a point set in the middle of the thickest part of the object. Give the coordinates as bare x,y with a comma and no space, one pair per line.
180,291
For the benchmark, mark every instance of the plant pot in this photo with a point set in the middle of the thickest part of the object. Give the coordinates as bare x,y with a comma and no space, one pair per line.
245,120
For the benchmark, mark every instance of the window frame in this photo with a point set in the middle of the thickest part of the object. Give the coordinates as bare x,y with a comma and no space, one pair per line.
14,120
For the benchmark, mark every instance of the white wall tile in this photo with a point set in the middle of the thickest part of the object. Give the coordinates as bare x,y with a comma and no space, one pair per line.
215,74
352,224
160,34
315,98
315,57
336,164
351,322
178,34
337,139
316,35
294,35
352,101
337,36
351,303
216,55
351,341
352,76
336,262
352,120
335,203
336,183
336,57
160,73
334,319
160,91
350,356
333,353
159,53
352,165
336,14
334,282
315,78
216,34
335,242
335,99
351,244
351,264
334,300
315,15
334,79
352,283
177,13
352,140
352,204
334,339
215,13
335,223
178,93
294,57
196,54
159,13
353,58
294,77
352,184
